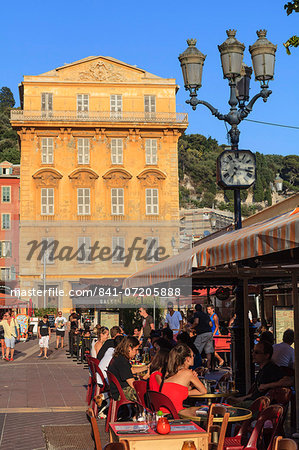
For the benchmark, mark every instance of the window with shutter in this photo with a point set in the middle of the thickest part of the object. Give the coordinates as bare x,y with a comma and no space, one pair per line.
84,249
83,196
5,221
116,151
47,201
150,105
83,151
118,249
5,273
152,201
46,102
116,106
151,151
82,105
117,201
47,151
6,194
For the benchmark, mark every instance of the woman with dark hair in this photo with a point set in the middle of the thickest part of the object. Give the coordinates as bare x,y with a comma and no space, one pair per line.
184,338
158,369
180,381
121,368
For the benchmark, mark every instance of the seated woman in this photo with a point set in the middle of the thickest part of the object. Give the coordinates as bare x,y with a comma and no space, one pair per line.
105,361
180,381
121,368
102,336
158,369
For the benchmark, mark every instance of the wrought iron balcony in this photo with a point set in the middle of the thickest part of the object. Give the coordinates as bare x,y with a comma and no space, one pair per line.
99,116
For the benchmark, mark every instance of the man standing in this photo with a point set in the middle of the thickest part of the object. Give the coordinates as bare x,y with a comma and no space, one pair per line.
215,329
173,320
44,334
60,323
147,324
204,339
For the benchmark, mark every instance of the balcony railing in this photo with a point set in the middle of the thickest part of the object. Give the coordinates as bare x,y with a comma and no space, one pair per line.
99,116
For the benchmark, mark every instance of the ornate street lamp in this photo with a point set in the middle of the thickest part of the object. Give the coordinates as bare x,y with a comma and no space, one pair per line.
235,168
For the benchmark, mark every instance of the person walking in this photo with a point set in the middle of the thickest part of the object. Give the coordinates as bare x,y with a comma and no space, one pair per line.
204,339
2,341
60,324
215,330
173,320
44,334
147,324
11,332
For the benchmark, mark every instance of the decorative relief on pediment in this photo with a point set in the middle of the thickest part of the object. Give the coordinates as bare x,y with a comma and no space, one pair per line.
151,178
102,71
47,178
83,177
117,178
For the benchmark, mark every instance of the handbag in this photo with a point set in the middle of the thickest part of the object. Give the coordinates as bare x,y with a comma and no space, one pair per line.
16,328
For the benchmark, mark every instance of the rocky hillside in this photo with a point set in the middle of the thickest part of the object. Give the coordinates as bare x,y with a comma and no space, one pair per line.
197,173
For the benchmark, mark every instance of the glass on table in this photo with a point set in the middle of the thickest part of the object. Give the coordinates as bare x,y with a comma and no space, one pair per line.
222,386
231,386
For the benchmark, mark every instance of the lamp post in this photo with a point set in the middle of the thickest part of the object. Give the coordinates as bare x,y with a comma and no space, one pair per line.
235,168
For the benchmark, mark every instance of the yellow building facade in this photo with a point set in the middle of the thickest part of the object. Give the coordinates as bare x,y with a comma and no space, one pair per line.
99,170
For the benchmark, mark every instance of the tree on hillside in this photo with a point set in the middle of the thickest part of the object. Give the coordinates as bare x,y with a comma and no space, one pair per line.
293,41
6,98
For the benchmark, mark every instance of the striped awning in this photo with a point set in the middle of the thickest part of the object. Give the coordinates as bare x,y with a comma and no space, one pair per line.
271,236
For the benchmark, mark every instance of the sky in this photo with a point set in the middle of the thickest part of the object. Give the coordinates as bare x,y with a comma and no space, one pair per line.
39,36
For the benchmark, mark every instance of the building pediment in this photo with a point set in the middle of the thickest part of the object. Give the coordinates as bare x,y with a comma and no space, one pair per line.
151,177
98,69
83,177
47,177
117,177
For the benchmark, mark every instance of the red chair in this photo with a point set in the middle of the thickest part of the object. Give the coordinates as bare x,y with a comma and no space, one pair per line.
92,378
140,387
158,400
272,414
241,438
281,396
116,404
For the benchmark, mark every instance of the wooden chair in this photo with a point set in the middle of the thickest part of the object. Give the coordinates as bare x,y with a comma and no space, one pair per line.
95,429
215,429
281,443
158,400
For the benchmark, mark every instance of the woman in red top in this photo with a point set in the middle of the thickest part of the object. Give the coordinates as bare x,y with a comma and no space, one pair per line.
180,381
158,369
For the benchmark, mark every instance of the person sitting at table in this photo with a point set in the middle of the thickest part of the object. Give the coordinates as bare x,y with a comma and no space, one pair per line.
180,381
167,334
270,376
158,369
162,343
121,368
97,344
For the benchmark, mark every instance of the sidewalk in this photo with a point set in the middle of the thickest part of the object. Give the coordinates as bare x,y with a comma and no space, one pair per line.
36,392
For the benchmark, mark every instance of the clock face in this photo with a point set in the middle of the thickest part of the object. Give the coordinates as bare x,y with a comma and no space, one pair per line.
236,169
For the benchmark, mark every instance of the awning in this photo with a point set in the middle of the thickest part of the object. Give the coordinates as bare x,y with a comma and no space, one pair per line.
271,236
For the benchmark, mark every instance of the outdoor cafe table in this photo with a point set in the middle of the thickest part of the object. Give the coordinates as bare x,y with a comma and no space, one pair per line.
174,440
211,397
236,414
